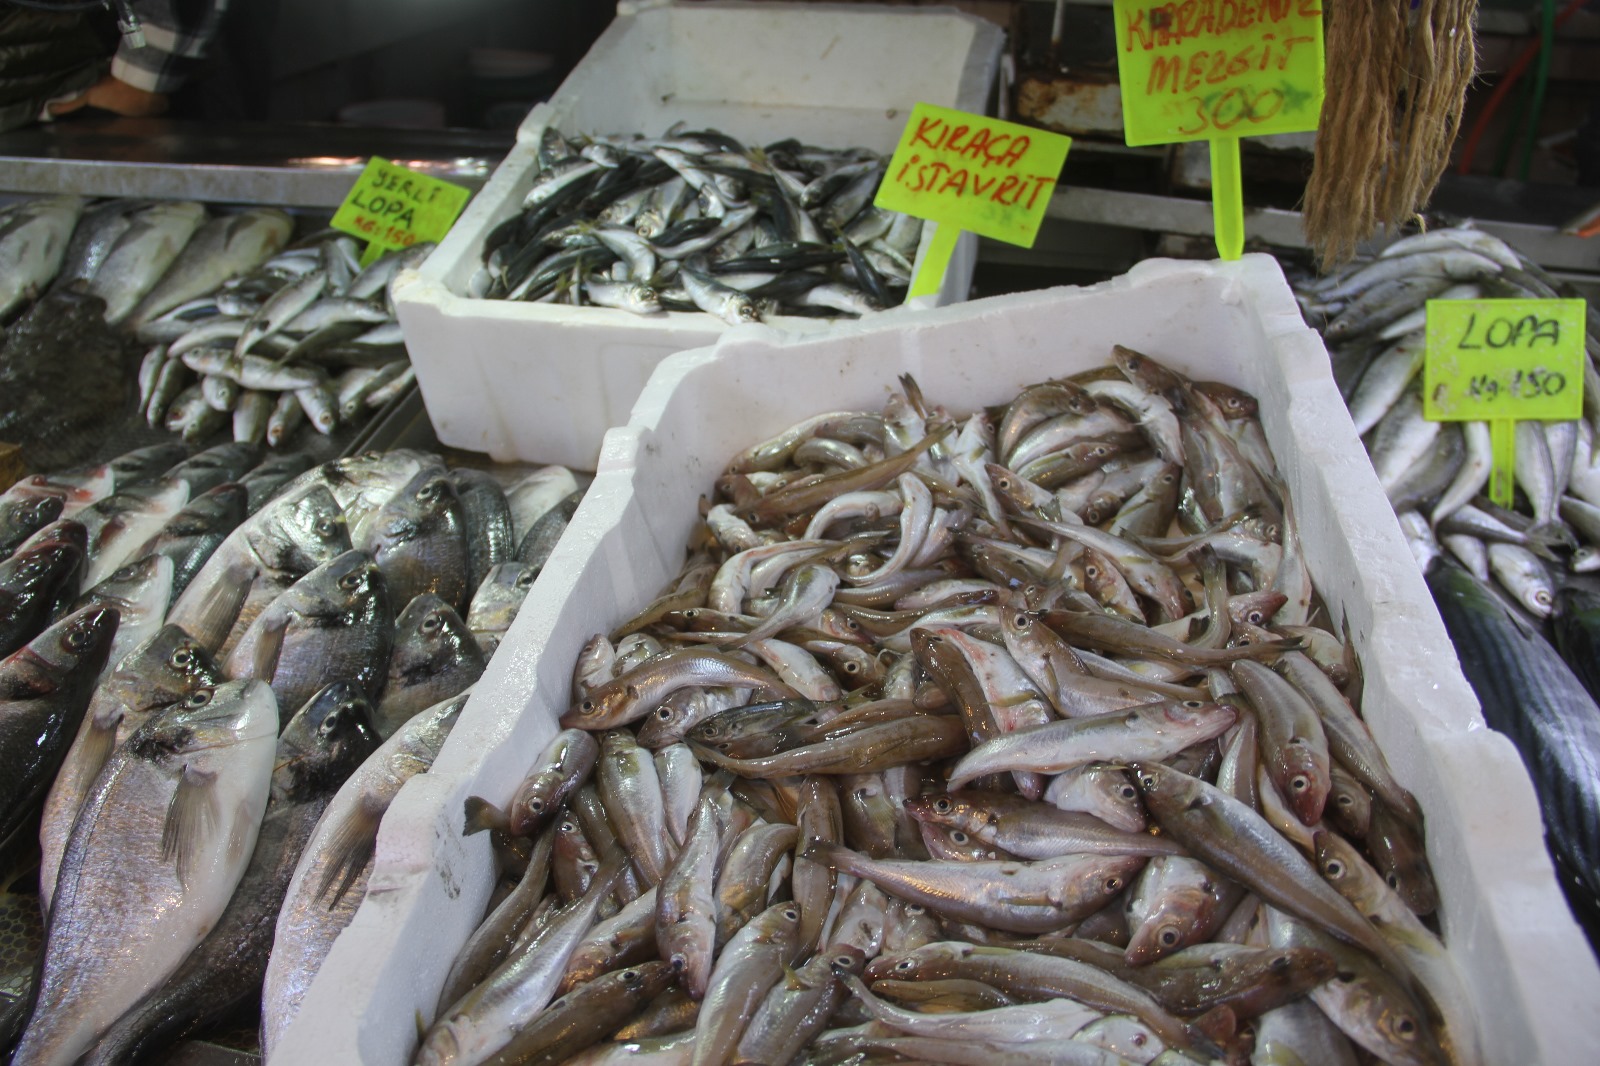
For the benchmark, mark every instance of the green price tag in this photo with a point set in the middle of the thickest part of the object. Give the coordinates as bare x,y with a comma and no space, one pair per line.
1492,359
1203,69
392,206
970,172
1218,70
1501,362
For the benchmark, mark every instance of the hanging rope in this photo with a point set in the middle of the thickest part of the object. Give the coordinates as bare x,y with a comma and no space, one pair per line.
1397,76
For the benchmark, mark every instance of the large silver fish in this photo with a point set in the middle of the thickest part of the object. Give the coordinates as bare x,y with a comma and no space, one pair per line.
153,859
33,241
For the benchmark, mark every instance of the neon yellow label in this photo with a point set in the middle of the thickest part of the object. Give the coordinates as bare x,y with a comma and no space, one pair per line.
1489,360
1199,69
974,173
392,206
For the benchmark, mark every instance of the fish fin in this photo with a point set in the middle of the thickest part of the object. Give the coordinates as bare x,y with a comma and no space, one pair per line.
95,746
269,646
192,818
1219,1026
482,815
217,615
352,846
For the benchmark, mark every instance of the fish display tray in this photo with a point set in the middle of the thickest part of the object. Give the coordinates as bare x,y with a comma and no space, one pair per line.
1525,963
544,382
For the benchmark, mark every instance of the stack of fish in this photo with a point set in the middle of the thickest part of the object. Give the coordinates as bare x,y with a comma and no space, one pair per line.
163,619
945,747
1373,316
243,331
695,220
1497,575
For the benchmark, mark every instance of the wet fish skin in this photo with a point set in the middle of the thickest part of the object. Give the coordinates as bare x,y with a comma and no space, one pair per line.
334,623
582,1017
191,536
167,668
31,582
419,540
33,242
329,881
496,602
139,592
1237,842
143,253
750,964
321,745
155,854
21,519
487,519
224,247
434,657
45,687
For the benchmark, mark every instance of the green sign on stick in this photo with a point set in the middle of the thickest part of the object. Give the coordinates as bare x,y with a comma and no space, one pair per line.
1503,362
392,207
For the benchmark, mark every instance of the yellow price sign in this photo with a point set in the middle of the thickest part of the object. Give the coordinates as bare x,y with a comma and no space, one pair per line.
1502,362
392,207
970,172
1219,70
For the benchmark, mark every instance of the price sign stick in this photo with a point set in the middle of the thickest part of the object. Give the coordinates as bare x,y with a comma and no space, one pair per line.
961,172
394,207
1227,197
930,275
1503,460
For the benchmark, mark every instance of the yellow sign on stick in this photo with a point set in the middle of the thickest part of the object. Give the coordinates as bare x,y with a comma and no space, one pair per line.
1502,362
970,172
1219,70
392,207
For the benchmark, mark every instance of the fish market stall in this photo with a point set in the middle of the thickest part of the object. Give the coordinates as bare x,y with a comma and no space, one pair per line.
544,381
1525,971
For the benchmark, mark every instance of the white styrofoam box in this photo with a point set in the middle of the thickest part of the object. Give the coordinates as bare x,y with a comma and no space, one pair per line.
542,382
1525,963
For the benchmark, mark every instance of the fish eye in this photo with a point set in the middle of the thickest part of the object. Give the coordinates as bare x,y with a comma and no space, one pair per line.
630,976
125,573
850,623
791,915
1113,884
525,579
199,698
428,491
1333,868
77,639
1255,618
1193,703
181,658
1542,598
664,713
852,668
1169,937
1147,780
1405,1026
326,527
1299,782
432,622
907,966
1345,800
1129,792
915,908
1003,484
536,806
568,826
587,706
1091,571
942,805
1167,479
958,837
351,581
1393,881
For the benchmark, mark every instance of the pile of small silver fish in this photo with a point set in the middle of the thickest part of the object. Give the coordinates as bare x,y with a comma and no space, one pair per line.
695,220
1373,316
244,331
163,619
946,746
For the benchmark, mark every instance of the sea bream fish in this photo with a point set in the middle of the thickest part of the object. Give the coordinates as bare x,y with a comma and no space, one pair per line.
153,858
